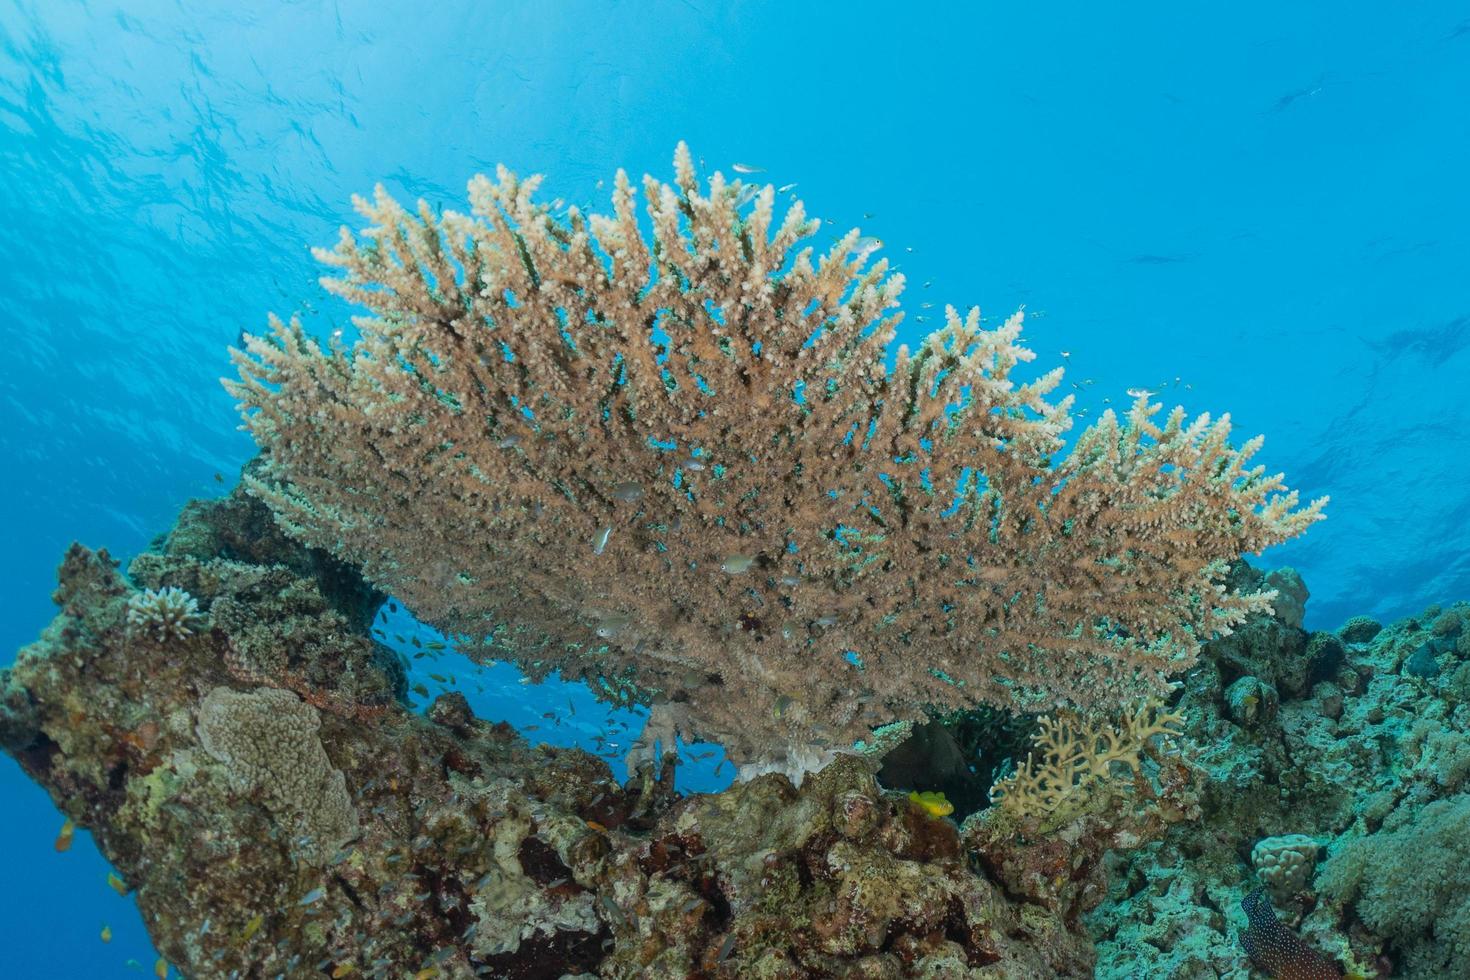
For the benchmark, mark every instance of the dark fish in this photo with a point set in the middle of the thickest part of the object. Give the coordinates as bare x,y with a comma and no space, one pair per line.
1276,950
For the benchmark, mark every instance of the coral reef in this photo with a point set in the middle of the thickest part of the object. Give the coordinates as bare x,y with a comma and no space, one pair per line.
265,835
1351,751
678,466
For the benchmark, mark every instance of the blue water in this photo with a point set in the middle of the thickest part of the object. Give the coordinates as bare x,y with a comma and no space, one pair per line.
1267,203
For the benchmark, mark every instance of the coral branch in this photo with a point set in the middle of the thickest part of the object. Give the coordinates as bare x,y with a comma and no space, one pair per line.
673,462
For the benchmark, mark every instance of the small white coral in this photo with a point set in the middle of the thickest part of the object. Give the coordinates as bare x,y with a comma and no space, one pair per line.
166,614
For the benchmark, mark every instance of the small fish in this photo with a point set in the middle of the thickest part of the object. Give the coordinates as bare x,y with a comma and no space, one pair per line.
63,837
160,968
415,641
933,804
785,187
420,690
133,965
440,678
315,895
106,935
1141,393
434,645
745,168
117,884
737,564
866,244
597,826
341,970
251,928
218,478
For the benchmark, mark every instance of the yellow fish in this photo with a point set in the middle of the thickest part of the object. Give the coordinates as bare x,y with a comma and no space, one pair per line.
933,804
251,928
160,969
117,884
63,838
342,970
107,934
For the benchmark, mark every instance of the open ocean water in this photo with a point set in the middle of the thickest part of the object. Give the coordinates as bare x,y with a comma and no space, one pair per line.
1257,208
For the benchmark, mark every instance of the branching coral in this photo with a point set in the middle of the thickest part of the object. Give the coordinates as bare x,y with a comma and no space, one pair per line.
1074,755
676,464
164,614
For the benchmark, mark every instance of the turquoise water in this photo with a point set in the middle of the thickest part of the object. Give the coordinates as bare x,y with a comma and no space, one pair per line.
1267,206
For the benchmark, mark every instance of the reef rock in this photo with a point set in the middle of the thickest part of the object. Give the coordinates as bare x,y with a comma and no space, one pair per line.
259,783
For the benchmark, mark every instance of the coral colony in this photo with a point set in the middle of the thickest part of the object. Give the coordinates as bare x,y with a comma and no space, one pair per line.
665,454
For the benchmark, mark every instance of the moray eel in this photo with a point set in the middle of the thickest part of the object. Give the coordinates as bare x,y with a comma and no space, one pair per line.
1276,950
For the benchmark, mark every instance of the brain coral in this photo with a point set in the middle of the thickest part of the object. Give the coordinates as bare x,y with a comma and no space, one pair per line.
267,739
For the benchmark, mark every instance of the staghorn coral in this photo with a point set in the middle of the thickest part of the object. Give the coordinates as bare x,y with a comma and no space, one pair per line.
676,465
168,614
267,738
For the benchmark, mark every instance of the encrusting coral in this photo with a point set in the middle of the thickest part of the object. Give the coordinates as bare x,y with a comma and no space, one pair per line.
675,464
268,742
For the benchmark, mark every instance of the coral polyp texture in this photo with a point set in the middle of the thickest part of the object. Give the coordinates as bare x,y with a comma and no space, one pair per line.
164,615
674,461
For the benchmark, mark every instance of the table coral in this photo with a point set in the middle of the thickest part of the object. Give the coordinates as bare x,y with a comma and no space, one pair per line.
675,463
